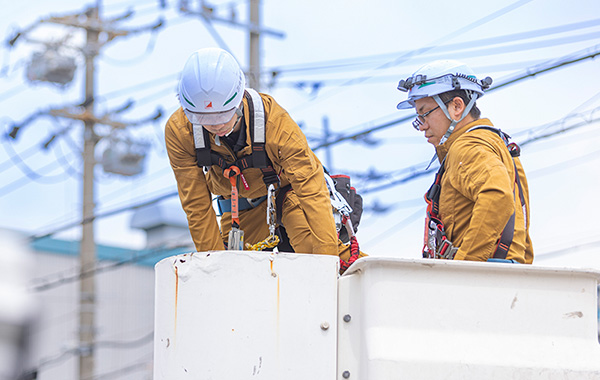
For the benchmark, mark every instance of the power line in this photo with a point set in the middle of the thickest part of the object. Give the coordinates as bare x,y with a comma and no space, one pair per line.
131,61
338,65
565,251
530,72
552,169
485,51
145,363
409,55
75,351
12,92
400,225
105,214
419,173
579,56
125,344
70,224
12,186
140,86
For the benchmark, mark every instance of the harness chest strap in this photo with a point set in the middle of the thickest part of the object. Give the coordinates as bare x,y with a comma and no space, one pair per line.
258,159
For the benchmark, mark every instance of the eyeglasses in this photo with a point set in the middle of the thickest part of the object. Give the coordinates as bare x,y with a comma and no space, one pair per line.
420,119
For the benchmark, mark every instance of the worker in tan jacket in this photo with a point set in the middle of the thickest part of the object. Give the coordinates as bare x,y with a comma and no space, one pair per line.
479,204
217,111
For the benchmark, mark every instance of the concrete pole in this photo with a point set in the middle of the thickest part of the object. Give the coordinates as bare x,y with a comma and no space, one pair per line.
88,247
254,46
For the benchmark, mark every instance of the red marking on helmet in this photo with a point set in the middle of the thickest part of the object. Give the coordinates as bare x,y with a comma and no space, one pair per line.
208,104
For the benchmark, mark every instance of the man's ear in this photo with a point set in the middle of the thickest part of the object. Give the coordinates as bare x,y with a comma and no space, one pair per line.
456,107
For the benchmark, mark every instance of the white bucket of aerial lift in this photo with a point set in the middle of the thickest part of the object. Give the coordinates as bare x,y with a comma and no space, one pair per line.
440,319
240,315
232,315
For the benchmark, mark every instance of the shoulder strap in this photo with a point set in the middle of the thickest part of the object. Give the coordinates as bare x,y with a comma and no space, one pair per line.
433,194
202,145
513,148
257,127
508,232
259,158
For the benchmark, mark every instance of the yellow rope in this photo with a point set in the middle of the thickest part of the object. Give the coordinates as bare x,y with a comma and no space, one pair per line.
269,242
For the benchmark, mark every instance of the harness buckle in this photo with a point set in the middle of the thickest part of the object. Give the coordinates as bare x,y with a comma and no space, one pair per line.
236,239
436,245
446,250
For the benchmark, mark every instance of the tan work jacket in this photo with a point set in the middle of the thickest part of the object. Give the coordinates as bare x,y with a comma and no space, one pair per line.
479,194
292,158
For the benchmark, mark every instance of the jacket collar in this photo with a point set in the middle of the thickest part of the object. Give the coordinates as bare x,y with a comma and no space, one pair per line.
442,150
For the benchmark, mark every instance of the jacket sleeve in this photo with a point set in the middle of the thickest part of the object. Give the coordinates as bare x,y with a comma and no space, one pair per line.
305,173
484,179
191,184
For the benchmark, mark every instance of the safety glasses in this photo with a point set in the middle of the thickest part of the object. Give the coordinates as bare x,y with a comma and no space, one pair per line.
212,118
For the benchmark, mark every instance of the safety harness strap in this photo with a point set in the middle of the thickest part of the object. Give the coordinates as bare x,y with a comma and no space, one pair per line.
434,223
202,145
258,159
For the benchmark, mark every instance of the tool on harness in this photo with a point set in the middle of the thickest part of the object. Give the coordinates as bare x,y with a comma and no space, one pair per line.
343,187
436,244
354,254
341,208
272,240
236,235
341,193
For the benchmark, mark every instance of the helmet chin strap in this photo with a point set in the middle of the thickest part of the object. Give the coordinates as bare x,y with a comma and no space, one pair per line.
239,112
453,122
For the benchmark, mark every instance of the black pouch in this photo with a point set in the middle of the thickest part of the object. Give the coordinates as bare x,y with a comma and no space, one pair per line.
343,186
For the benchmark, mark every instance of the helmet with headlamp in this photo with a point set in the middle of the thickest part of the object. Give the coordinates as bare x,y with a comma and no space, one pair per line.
440,77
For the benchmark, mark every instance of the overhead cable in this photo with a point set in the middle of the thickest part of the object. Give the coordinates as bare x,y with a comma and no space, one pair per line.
521,75
339,64
409,55
104,214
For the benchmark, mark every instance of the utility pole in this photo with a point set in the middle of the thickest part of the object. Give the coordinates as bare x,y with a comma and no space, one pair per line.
254,46
87,258
93,25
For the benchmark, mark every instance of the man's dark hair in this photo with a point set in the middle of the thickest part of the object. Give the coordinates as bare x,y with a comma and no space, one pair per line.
448,96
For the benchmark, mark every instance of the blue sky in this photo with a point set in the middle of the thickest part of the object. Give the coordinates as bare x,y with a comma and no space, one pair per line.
341,60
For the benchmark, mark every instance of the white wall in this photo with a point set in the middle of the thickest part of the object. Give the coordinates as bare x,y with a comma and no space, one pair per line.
124,320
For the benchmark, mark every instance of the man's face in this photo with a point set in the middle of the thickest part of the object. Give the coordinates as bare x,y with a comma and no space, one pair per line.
435,124
222,129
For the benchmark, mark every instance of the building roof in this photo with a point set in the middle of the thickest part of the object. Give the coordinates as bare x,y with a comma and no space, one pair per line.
145,257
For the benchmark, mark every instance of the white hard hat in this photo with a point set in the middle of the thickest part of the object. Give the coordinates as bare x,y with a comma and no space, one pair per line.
438,77
211,87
